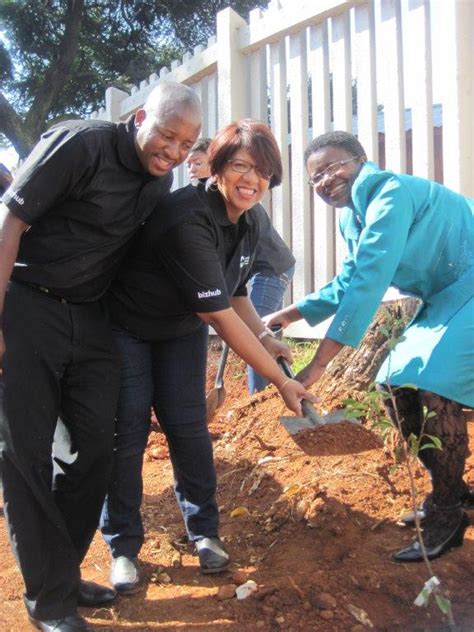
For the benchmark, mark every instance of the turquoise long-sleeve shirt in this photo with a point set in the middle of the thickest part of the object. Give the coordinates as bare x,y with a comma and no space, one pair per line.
412,233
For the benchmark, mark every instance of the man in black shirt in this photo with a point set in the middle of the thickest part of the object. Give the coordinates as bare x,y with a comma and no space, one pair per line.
67,220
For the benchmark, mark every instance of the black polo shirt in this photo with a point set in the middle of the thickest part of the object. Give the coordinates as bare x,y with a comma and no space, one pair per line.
84,193
272,257
188,258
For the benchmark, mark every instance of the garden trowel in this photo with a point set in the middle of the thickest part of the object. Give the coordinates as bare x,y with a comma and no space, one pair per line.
217,395
311,418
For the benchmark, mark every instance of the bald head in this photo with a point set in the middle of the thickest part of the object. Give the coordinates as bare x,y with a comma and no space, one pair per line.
169,95
167,126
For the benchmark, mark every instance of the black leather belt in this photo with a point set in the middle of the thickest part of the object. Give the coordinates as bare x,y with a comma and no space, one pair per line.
46,291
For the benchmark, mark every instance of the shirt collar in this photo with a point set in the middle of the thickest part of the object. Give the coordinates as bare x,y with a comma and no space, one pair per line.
126,146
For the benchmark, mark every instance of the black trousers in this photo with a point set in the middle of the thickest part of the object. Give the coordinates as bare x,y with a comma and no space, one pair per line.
60,360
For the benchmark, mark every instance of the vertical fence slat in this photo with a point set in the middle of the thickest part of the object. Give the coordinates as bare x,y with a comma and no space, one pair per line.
257,106
365,61
391,63
323,215
318,62
457,18
301,220
211,114
279,125
231,67
342,94
421,83
341,71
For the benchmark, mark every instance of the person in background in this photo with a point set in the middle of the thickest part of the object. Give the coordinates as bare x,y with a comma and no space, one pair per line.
273,266
67,220
387,221
197,163
189,269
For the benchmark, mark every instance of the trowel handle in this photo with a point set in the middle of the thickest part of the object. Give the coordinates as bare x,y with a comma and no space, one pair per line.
306,406
221,368
286,368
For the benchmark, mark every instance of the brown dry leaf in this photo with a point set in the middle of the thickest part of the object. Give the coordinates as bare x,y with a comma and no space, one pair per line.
239,511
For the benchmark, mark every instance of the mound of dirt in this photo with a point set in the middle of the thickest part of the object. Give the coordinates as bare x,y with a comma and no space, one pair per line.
311,519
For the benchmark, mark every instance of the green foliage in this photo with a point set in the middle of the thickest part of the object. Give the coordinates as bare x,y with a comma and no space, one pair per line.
114,43
303,351
444,604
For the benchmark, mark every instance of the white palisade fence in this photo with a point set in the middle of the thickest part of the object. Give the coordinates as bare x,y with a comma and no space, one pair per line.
371,67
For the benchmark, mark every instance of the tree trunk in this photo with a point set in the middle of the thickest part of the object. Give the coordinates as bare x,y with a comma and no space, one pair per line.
353,370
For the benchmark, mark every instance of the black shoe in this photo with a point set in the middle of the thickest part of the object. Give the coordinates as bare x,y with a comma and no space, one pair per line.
467,499
92,595
213,558
408,519
413,553
72,623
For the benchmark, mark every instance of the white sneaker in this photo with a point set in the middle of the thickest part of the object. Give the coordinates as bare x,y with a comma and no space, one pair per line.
124,575
213,558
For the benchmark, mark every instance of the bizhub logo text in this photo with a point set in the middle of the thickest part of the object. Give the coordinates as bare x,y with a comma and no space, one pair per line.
209,293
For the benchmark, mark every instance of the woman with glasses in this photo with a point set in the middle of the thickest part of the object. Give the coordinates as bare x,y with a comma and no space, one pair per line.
417,235
188,270
273,264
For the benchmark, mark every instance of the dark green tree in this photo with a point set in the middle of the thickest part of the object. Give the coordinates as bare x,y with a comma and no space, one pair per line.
57,57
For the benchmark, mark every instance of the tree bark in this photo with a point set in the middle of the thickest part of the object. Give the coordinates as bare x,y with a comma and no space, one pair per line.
13,127
58,72
353,370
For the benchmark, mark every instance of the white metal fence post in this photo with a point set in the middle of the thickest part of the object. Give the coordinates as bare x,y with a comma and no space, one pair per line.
113,99
231,68
458,98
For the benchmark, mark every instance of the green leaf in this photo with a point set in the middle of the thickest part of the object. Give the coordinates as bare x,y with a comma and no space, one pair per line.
413,386
383,423
354,414
383,330
414,444
349,402
443,603
431,414
427,446
438,444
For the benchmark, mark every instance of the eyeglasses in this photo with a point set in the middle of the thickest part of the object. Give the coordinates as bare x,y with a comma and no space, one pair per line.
330,170
242,166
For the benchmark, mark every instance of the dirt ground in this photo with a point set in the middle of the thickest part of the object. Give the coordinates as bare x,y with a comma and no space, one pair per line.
315,525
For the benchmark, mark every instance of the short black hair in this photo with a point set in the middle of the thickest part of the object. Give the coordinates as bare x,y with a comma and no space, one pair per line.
341,139
202,144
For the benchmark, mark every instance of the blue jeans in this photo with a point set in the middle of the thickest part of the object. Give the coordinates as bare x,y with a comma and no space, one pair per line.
169,376
266,294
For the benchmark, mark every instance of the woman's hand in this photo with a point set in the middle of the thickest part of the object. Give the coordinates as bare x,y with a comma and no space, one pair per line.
292,393
277,348
283,317
310,374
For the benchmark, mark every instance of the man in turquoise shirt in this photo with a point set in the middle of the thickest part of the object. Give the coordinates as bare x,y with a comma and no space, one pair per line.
417,235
